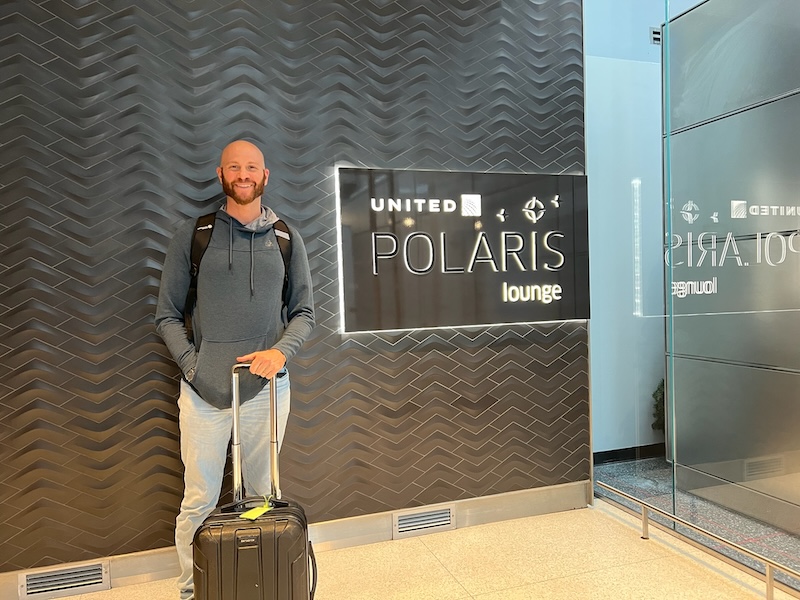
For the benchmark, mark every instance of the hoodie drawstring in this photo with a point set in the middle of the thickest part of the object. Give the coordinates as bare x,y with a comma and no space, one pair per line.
258,226
252,263
230,246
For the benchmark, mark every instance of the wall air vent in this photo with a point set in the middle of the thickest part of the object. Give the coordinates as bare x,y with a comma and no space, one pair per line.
61,582
765,466
655,36
410,523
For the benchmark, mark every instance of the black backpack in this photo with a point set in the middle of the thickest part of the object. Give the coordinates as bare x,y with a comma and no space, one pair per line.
200,239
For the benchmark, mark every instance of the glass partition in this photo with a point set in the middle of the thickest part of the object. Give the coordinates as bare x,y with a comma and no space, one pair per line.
732,145
711,305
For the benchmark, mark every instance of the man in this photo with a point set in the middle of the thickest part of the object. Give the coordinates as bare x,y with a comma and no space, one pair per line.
238,317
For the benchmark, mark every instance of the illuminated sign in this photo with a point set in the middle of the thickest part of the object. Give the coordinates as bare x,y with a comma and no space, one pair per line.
424,249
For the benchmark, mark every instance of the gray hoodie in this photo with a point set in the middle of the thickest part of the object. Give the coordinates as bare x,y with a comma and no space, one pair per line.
239,304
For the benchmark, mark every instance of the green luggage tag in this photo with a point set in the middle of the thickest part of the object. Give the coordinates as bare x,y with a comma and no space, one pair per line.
256,512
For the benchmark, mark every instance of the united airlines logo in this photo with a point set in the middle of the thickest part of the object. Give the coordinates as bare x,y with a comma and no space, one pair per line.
470,205
741,210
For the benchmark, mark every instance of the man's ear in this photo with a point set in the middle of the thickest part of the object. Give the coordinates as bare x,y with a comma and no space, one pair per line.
266,177
219,174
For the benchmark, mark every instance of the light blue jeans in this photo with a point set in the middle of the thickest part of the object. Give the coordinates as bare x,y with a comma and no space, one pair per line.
205,433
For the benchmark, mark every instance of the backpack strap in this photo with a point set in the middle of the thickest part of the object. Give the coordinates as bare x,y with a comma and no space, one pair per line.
200,239
285,244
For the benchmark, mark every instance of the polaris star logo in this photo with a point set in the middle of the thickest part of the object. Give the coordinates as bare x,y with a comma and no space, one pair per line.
690,212
204,227
534,210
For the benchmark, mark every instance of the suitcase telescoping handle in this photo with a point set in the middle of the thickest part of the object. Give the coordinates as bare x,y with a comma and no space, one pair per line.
236,451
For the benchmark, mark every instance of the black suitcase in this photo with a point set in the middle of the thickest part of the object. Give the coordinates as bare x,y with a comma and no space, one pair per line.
269,558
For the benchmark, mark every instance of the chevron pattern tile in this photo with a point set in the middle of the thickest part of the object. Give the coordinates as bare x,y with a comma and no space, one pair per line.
113,116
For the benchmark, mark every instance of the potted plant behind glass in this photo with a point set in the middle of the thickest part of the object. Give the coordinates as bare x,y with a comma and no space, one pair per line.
658,408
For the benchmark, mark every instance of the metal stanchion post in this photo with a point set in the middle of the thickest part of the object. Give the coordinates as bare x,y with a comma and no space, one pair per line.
770,574
645,524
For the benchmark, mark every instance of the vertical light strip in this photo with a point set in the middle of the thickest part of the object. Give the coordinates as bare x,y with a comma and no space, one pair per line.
636,191
339,256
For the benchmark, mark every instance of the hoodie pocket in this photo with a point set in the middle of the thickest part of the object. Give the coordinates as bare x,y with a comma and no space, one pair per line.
213,371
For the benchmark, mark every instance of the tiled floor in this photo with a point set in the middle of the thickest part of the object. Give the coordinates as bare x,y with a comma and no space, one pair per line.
596,553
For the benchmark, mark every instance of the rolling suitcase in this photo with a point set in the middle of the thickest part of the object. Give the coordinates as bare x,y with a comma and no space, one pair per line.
268,558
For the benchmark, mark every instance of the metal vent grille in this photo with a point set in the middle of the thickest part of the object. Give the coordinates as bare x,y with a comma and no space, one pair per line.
759,468
655,36
416,523
57,583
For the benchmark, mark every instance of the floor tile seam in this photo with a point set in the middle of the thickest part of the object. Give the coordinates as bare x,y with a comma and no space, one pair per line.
617,565
494,593
448,571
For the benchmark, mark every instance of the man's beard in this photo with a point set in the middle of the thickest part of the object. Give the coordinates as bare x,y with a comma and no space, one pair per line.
236,195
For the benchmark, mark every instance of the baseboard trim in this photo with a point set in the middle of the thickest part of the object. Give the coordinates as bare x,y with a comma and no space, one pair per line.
369,529
153,565
125,569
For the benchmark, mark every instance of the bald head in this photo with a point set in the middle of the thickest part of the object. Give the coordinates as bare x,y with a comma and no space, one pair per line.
242,150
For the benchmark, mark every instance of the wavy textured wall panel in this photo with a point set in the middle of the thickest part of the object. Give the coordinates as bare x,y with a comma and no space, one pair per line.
113,118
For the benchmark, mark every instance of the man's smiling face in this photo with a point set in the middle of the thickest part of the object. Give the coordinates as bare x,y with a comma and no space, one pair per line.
242,173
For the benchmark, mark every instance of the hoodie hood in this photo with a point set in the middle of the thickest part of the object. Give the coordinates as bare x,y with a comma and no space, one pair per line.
261,223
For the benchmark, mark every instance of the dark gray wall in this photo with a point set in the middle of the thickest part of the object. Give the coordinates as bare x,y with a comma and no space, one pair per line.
114,114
